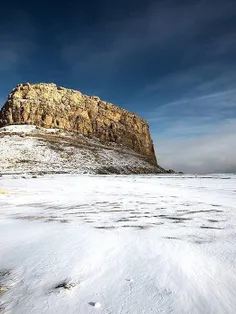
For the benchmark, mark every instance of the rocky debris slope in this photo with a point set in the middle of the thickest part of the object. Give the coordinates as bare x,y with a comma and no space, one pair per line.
31,149
50,106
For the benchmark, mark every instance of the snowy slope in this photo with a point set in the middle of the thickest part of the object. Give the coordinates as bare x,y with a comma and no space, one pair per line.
25,148
127,244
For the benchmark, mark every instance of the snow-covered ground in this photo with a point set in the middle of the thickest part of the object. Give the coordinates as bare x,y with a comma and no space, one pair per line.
118,244
30,149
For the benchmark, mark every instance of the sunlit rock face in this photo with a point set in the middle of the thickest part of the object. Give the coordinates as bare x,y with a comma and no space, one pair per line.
51,106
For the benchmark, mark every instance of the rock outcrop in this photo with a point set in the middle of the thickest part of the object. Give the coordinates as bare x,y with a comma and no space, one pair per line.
51,106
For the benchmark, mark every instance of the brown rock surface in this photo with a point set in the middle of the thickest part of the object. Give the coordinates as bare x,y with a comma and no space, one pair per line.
50,106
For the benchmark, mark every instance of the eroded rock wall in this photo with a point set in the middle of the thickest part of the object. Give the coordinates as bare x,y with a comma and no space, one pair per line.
50,106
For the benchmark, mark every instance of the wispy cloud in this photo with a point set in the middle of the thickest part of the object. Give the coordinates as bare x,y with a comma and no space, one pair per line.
197,134
197,79
214,151
163,24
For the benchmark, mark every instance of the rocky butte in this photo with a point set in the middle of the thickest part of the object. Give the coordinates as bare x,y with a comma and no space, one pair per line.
48,106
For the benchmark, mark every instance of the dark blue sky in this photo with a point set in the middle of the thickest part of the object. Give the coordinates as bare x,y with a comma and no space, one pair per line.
173,62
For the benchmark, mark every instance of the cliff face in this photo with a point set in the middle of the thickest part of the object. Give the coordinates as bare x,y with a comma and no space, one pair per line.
50,106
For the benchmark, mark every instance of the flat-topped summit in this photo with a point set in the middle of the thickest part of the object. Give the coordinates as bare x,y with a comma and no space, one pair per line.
52,106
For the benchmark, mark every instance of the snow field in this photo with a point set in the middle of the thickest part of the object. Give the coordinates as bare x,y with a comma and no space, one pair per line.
118,244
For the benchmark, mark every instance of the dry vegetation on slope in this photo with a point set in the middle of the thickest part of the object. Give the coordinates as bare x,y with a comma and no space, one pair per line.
26,148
